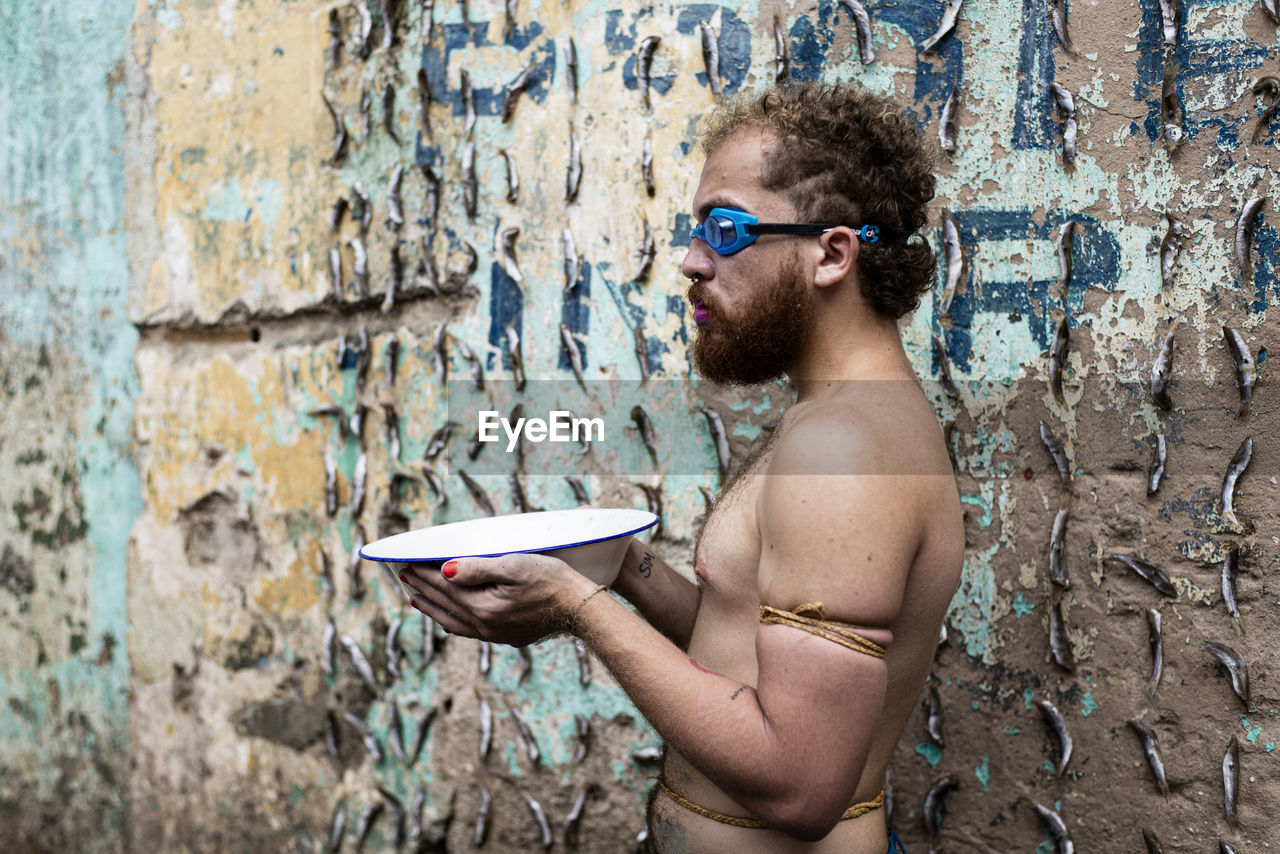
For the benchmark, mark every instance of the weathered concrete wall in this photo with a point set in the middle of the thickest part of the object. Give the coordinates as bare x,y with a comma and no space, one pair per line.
180,157
69,489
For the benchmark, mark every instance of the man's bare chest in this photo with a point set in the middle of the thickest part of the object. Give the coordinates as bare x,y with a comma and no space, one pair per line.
727,555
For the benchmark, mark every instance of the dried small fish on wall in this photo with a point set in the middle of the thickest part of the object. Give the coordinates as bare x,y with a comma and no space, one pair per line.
1242,249
511,92
1269,88
1246,367
862,29
1170,105
1058,16
957,264
1057,360
1066,106
949,14
711,57
644,64
782,52
947,120
1170,246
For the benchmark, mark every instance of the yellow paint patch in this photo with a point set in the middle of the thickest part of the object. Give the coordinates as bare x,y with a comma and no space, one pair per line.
292,594
293,475
1027,575
235,134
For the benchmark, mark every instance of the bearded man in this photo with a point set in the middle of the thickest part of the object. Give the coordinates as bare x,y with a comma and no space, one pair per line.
782,679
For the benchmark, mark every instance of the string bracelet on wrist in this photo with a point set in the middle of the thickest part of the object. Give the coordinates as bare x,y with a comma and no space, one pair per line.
573,621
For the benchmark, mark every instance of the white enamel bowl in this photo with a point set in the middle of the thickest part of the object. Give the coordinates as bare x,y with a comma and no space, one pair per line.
592,540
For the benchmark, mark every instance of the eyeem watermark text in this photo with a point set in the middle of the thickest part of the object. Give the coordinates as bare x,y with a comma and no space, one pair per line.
559,426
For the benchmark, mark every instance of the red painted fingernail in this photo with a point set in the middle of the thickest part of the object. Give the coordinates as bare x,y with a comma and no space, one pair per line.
450,569
404,579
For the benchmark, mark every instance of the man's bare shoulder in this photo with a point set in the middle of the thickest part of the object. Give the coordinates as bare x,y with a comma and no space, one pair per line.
849,502
871,428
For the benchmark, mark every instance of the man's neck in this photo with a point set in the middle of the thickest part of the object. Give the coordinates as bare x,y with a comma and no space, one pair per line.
869,350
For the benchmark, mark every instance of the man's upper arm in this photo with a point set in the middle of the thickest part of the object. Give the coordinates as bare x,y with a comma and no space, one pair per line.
846,541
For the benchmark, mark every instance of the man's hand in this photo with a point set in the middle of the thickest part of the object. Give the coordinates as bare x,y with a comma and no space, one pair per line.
515,599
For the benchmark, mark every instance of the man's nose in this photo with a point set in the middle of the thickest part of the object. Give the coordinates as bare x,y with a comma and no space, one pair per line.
697,260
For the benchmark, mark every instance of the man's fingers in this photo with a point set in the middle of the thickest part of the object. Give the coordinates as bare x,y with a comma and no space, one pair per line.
414,576
425,577
475,571
437,608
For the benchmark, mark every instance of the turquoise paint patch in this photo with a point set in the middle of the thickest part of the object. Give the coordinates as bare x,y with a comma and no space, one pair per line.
983,773
64,204
1048,766
1012,730
169,19
750,432
930,751
1021,605
228,203
1269,746
509,756
972,611
977,604
1027,696
1087,704
982,503
1251,732
270,200
974,704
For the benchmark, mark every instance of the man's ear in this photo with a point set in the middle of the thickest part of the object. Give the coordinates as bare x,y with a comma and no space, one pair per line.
839,256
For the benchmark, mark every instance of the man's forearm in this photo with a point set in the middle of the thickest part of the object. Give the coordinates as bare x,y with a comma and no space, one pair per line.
668,600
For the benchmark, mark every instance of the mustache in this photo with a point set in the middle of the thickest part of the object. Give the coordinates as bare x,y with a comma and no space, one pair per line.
697,293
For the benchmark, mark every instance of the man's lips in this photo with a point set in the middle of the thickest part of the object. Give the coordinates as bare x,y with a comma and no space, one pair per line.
700,312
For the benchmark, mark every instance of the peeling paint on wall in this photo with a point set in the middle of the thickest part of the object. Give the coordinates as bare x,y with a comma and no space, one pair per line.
183,688
70,491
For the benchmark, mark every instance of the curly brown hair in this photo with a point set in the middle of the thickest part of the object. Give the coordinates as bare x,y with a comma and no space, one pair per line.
846,156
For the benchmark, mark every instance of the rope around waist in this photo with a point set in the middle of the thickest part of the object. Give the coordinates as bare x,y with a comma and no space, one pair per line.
853,811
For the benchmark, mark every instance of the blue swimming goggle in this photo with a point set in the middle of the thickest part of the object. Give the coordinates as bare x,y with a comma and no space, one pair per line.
727,230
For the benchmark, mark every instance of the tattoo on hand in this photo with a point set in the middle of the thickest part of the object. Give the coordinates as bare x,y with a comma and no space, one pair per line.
735,694
646,564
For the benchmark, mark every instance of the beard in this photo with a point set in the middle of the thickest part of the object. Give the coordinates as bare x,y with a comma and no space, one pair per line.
761,340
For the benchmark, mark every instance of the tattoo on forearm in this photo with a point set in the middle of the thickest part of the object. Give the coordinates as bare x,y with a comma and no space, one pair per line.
646,564
735,694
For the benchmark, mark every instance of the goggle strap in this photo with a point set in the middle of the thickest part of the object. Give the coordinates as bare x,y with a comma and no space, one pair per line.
866,233
787,227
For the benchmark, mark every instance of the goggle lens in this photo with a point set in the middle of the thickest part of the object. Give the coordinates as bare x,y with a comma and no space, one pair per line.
720,231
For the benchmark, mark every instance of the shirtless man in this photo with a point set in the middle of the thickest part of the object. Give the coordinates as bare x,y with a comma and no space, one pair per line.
779,722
